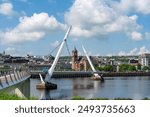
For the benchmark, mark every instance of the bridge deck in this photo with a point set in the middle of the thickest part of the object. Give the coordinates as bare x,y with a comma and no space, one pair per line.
13,78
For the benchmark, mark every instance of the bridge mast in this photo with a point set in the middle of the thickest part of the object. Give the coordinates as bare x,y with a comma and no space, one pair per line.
96,76
51,70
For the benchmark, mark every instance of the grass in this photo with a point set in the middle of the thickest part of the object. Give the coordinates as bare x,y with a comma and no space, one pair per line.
98,99
145,98
123,99
6,96
78,98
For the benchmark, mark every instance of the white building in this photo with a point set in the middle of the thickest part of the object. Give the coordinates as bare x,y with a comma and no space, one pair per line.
145,59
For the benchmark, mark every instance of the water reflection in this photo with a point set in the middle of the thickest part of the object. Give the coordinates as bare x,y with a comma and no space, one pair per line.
126,87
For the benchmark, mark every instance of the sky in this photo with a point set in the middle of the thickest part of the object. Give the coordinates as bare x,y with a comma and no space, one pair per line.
104,27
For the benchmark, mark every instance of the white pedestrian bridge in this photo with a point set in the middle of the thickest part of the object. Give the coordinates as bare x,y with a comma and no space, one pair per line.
12,78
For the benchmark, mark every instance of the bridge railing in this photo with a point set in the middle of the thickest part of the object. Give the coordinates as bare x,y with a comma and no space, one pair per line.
10,78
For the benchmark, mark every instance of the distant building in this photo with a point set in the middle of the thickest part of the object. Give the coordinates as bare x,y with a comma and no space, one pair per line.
145,59
79,63
134,62
4,57
16,60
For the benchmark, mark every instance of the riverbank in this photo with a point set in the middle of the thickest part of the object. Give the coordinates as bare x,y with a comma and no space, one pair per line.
118,74
76,74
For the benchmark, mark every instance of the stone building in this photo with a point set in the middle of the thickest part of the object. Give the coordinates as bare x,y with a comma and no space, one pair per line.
79,63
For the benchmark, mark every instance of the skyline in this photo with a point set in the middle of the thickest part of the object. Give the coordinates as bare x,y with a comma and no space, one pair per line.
104,27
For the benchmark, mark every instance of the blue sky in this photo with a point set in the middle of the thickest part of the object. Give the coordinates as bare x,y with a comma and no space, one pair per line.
104,27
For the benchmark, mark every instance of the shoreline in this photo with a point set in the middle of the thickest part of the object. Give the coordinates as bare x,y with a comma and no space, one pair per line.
76,74
118,74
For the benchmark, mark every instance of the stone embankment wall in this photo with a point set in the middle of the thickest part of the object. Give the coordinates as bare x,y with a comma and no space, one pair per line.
76,74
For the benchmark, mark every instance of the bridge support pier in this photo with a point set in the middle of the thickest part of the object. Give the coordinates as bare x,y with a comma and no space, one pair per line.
46,85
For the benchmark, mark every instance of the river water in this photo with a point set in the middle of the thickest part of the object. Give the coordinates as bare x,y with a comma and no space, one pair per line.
125,87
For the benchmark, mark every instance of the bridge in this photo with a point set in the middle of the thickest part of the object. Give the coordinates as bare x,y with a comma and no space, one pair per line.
11,78
16,77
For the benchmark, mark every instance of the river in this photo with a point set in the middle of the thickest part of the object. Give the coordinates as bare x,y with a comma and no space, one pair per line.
113,87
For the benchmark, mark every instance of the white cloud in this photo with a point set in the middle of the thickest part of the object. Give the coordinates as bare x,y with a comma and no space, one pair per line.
143,50
11,51
96,18
6,9
31,28
136,36
122,53
139,6
134,51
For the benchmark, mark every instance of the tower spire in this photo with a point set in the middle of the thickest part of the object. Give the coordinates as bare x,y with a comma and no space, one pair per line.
75,49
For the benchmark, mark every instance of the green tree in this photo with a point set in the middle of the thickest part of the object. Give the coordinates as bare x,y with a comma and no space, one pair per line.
100,68
108,68
131,68
139,67
145,68
123,67
127,67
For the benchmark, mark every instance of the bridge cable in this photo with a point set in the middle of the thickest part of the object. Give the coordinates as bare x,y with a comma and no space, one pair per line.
67,48
55,48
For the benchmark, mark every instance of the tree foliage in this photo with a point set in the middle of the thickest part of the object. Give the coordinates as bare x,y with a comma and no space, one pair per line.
145,68
126,68
107,68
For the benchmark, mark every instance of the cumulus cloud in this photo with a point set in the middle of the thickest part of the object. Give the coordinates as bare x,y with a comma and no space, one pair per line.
131,6
31,28
143,50
11,51
136,36
96,18
134,51
6,9
122,53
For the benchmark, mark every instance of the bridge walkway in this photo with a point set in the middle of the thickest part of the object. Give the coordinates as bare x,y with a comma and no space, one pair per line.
13,77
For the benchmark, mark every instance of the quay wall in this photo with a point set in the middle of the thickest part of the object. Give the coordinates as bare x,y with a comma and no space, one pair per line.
71,74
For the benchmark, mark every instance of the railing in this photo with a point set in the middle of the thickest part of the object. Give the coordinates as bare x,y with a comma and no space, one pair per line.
10,78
